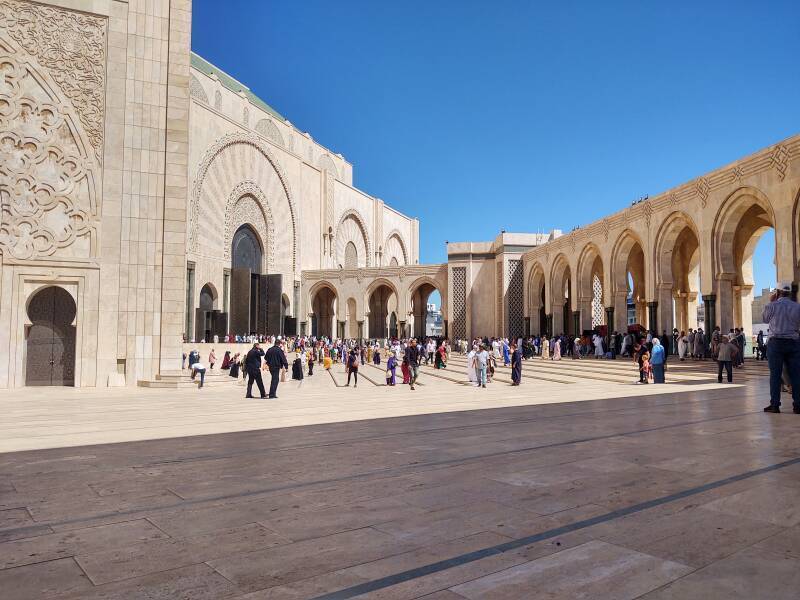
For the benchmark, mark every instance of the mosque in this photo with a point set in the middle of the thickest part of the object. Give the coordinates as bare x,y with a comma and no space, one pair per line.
147,198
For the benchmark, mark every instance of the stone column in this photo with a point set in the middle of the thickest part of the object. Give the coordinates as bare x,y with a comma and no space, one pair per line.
710,303
609,325
548,325
724,304
652,313
557,320
746,295
691,310
665,312
576,323
360,332
620,311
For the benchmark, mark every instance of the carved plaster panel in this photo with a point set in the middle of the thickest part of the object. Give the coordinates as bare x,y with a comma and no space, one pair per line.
47,183
72,47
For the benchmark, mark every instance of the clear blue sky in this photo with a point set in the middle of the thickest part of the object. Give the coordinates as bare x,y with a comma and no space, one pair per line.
525,116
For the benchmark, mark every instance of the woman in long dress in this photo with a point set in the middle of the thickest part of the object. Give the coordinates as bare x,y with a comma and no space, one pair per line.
683,345
598,346
557,350
391,365
516,365
545,348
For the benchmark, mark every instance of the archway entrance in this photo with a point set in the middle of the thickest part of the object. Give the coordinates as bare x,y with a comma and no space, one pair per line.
206,317
427,315
324,312
50,340
256,299
561,299
741,224
628,280
382,302
678,275
246,260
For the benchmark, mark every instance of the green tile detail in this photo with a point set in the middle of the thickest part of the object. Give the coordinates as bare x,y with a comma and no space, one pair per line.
202,65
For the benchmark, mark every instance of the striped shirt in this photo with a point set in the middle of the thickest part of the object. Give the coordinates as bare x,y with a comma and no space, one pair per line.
783,317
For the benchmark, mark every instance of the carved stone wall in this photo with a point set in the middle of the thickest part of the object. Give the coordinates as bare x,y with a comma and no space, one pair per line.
270,131
248,205
234,160
459,303
47,173
515,304
351,229
72,47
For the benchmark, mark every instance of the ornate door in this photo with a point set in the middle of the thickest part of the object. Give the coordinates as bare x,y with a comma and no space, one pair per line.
50,352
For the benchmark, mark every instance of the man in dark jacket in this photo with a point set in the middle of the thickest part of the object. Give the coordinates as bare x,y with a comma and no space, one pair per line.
276,360
252,364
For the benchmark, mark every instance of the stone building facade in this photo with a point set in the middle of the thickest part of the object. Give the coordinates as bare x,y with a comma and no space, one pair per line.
147,197
690,244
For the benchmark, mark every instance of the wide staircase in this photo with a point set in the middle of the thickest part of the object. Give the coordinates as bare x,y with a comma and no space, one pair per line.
591,370
214,378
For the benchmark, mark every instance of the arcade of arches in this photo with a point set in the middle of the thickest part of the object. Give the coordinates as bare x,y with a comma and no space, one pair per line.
654,263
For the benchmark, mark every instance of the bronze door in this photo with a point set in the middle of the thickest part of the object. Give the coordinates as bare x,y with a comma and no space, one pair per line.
50,356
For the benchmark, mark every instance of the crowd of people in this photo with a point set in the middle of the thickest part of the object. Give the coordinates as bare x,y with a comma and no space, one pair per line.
648,351
306,351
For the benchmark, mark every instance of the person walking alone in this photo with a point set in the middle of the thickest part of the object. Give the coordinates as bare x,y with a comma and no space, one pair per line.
276,362
413,361
726,352
516,365
353,362
783,348
252,366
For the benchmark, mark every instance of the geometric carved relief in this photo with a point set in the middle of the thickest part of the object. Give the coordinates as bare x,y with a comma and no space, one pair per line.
351,229
233,159
270,131
248,206
196,90
516,308
459,303
395,250
325,162
72,47
46,183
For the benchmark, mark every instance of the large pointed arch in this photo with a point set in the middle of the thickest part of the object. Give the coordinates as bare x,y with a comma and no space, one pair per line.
352,228
395,247
237,158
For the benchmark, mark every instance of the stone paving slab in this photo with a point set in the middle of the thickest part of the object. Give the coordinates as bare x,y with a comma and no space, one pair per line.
649,496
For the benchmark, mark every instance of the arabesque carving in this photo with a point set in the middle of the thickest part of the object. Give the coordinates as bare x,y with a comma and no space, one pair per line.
72,47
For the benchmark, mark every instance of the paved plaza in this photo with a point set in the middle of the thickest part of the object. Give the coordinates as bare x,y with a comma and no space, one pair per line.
580,485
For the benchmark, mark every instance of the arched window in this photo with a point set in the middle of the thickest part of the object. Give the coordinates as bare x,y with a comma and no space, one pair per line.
246,250
350,256
393,262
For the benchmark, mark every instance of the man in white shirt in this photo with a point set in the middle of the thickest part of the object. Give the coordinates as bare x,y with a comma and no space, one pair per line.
481,362
200,368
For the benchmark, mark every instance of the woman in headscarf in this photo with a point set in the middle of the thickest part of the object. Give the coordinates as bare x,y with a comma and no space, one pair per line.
658,359
545,343
391,365
226,360
557,349
234,366
441,357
